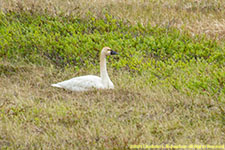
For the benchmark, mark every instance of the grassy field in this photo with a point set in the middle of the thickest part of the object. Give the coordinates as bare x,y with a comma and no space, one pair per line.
197,16
169,77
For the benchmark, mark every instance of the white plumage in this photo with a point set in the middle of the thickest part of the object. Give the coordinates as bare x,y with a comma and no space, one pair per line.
82,83
90,82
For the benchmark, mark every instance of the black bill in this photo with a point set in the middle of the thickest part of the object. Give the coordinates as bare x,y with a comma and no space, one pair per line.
113,52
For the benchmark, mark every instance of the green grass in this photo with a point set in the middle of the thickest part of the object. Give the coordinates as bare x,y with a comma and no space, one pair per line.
169,84
165,55
196,16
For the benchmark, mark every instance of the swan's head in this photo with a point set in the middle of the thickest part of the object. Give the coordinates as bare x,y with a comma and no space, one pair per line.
108,51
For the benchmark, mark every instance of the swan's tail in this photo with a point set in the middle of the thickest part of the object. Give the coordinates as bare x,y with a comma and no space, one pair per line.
56,85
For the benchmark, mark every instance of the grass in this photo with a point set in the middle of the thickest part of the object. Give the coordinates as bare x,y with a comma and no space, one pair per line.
169,77
37,116
196,16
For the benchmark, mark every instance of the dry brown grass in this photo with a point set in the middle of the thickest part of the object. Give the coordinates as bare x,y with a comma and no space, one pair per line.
196,16
34,115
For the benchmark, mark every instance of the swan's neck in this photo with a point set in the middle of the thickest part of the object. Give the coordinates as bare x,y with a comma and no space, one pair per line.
103,70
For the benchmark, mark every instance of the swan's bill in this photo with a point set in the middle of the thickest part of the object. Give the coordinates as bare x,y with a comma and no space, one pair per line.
113,53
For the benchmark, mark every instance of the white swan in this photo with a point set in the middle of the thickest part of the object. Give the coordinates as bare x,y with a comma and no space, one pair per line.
89,82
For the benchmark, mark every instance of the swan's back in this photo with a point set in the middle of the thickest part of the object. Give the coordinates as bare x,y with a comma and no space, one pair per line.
82,83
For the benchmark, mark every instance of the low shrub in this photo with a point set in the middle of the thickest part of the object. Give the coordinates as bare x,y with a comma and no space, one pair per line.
169,56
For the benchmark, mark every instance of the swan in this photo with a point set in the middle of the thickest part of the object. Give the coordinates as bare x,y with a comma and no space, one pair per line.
90,82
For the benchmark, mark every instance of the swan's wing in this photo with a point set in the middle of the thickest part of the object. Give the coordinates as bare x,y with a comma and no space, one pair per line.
82,83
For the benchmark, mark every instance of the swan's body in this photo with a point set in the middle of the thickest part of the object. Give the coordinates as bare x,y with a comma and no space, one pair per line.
83,83
90,82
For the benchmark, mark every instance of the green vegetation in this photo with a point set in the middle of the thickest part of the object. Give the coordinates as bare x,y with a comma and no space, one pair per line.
170,85
165,54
